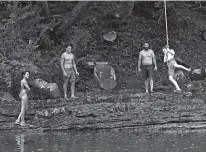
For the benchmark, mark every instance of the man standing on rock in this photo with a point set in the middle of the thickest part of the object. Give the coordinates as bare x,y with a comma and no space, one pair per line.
147,58
69,70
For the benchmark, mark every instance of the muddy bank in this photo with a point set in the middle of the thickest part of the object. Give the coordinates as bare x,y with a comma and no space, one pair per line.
161,110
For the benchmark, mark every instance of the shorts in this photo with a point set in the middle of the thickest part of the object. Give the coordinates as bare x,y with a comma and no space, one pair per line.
147,71
171,72
70,74
171,68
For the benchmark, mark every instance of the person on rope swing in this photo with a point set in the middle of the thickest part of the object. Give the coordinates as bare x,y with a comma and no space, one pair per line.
147,58
172,65
24,99
69,70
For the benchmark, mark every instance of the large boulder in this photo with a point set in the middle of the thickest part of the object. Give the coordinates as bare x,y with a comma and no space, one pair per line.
48,90
198,74
5,96
111,36
105,76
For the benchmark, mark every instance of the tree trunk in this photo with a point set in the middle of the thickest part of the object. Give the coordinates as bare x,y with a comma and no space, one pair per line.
128,11
45,8
74,16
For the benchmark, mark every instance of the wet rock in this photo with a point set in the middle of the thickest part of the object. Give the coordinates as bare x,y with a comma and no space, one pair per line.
197,86
53,88
124,109
110,37
5,96
55,111
198,74
46,113
50,112
49,90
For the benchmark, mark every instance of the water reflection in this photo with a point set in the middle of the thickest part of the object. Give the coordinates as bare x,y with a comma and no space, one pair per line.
103,141
20,139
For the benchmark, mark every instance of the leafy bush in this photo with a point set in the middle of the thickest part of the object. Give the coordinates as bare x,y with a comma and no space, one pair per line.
18,49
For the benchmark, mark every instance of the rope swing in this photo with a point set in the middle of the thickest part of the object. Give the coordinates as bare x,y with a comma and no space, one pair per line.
167,37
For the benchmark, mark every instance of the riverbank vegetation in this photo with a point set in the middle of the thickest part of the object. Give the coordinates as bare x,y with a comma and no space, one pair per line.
34,34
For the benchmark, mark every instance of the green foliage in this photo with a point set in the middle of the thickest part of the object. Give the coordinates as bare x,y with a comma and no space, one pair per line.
80,37
16,53
147,23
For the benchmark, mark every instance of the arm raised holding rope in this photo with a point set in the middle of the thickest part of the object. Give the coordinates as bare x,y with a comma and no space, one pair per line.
172,65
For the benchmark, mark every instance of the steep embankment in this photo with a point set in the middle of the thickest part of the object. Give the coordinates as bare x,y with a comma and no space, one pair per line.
186,36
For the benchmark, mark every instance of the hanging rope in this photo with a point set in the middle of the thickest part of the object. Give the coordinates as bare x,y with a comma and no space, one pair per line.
167,37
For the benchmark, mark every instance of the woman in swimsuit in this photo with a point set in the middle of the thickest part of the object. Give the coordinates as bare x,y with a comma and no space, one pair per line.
24,98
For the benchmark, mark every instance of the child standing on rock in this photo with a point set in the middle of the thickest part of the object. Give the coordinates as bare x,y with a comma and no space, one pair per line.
172,65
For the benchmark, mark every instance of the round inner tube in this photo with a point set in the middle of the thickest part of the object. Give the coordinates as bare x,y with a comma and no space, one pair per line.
105,75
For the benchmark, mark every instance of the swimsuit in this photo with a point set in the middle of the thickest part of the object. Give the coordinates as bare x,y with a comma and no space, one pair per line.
68,69
147,71
171,68
70,74
23,91
147,64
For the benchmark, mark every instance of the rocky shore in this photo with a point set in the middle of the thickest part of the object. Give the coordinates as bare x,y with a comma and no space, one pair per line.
162,110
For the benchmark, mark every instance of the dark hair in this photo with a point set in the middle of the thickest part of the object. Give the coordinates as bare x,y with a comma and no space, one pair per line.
23,73
70,44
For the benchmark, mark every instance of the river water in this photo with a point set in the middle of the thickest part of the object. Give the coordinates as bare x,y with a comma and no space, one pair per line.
102,141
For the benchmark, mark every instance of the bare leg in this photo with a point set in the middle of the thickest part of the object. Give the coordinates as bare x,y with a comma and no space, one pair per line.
24,106
174,82
151,84
18,119
147,85
72,89
65,85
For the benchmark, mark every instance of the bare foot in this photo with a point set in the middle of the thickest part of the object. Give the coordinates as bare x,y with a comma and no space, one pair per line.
178,90
74,97
65,97
23,124
17,122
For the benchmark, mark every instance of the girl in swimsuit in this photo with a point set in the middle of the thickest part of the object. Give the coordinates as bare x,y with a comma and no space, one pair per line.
24,98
